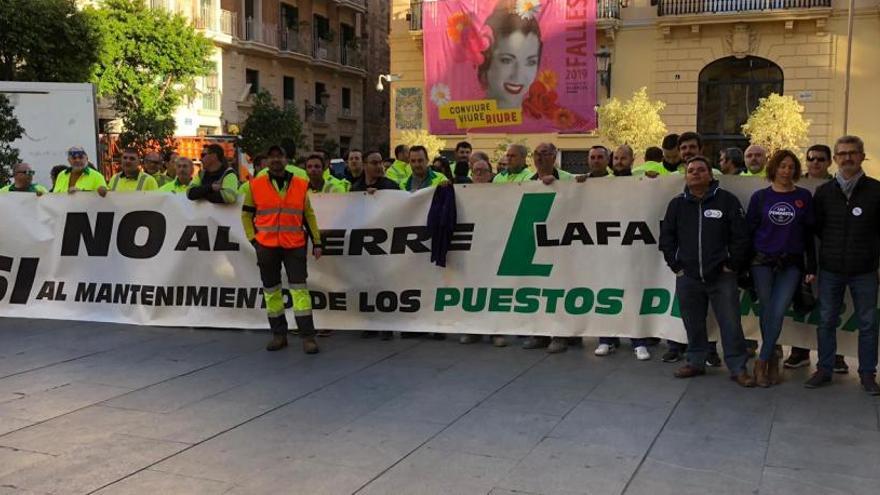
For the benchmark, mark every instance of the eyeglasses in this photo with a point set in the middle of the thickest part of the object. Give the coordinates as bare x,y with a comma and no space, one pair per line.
76,154
816,159
29,173
848,153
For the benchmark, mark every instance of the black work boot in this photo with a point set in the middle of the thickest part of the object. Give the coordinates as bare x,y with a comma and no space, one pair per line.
306,326
310,345
869,383
279,341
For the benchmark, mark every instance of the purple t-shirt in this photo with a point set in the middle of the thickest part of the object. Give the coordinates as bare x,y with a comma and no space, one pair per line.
781,221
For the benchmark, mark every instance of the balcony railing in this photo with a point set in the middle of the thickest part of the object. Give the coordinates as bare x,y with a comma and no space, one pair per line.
260,32
323,50
319,113
415,15
211,100
605,9
361,4
608,9
695,7
205,19
351,57
290,40
229,23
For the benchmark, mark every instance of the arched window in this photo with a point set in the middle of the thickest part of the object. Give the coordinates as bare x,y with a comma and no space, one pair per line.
729,91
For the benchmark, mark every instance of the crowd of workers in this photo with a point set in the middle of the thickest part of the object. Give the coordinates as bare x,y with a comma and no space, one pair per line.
710,242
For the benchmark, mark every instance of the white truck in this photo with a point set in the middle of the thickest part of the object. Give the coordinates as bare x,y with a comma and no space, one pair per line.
55,116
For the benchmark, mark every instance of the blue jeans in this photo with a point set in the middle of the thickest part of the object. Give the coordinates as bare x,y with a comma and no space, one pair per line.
615,341
863,289
694,297
776,288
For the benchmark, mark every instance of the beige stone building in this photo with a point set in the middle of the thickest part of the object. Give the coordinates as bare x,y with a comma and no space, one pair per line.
709,60
316,55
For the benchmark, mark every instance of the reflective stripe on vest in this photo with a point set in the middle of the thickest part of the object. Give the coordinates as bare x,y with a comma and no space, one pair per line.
275,211
142,178
279,228
278,219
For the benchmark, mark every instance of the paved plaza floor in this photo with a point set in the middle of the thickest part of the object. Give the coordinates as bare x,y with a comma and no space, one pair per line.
116,409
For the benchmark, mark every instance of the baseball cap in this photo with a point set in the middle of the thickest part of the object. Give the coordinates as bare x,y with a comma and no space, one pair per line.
76,149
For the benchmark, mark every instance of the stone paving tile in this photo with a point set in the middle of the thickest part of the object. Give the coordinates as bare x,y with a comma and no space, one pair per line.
505,491
839,449
838,404
155,482
563,467
496,433
75,431
299,477
91,467
195,422
788,481
746,417
628,387
624,427
11,424
19,361
371,443
12,460
553,397
430,471
738,459
656,477
61,400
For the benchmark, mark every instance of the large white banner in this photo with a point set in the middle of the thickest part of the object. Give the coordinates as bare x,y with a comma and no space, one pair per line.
565,259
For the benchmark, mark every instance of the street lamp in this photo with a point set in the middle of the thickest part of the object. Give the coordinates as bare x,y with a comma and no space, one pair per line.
390,78
603,69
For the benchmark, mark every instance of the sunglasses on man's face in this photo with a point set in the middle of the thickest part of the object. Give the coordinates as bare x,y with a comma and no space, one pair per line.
815,158
76,154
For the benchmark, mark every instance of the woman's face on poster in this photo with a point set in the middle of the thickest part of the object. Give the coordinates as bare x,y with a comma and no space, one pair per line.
514,66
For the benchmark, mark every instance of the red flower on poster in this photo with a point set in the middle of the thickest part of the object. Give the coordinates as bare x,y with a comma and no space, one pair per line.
540,103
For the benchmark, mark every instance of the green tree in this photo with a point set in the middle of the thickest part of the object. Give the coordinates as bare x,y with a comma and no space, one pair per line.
47,40
269,124
330,147
149,65
10,130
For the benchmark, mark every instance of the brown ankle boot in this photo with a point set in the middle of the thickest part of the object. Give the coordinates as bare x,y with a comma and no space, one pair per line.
279,341
310,345
760,372
773,370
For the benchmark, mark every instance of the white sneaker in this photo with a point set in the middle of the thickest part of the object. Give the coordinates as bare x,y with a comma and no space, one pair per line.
604,350
642,353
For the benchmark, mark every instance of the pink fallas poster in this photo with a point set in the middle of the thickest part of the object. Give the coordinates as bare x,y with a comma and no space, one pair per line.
515,66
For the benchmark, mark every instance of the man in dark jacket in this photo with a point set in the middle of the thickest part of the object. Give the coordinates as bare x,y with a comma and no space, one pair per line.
848,224
705,241
373,178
